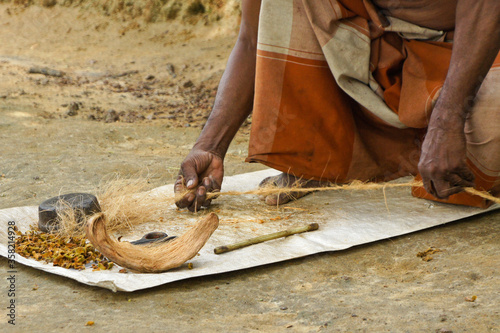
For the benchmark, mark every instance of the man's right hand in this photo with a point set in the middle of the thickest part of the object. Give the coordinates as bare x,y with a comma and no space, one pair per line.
201,173
202,170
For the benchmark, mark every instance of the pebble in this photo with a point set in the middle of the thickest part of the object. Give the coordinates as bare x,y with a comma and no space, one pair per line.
171,70
111,116
284,308
188,84
72,109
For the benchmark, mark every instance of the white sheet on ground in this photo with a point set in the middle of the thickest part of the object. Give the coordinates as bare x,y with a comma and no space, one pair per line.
346,219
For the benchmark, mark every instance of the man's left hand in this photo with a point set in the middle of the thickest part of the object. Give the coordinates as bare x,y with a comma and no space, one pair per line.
443,161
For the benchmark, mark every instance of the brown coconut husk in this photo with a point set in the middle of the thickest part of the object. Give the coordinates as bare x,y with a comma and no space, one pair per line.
151,258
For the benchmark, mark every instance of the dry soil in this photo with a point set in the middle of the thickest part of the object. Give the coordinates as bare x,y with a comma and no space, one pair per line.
133,94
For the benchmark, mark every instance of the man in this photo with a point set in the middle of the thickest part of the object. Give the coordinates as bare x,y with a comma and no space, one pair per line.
350,89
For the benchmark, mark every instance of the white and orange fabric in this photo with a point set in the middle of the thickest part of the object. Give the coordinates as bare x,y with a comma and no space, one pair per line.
340,97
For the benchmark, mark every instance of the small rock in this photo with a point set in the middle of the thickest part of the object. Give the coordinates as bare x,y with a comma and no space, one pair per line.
284,308
443,330
150,77
171,70
91,117
129,117
43,82
188,84
111,116
72,109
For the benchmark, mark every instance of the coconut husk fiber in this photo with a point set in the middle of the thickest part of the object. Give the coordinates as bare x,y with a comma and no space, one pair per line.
125,202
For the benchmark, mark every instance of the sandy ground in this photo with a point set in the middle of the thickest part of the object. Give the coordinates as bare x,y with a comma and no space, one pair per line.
58,134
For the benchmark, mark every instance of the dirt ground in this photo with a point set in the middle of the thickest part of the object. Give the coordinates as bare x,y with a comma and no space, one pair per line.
129,96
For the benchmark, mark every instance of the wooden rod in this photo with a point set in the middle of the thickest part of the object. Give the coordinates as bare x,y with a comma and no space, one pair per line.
265,238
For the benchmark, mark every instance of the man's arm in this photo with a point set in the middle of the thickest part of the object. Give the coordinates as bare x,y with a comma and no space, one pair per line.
476,44
202,170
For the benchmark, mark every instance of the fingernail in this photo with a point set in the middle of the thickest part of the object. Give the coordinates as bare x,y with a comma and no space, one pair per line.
190,183
206,182
191,197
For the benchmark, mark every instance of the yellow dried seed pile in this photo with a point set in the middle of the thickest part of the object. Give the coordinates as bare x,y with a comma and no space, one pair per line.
66,252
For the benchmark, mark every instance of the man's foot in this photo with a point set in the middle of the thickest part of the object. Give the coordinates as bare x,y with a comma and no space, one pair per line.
285,181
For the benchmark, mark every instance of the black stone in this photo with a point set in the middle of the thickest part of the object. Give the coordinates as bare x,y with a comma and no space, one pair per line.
83,204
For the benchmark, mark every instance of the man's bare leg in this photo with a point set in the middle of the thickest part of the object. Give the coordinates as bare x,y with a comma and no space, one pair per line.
287,181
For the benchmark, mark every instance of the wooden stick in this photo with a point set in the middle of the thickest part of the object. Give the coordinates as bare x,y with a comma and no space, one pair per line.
264,238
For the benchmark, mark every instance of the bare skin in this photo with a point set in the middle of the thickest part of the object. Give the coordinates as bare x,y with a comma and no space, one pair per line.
202,170
442,163
443,159
439,15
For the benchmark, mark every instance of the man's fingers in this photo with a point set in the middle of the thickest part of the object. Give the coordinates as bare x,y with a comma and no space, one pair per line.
186,201
440,188
461,180
198,198
211,185
188,171
179,185
207,183
199,201
466,174
180,188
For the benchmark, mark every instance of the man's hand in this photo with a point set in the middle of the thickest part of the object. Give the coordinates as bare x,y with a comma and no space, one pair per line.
201,173
202,170
477,42
443,161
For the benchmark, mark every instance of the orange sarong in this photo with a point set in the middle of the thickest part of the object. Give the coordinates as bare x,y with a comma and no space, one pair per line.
339,97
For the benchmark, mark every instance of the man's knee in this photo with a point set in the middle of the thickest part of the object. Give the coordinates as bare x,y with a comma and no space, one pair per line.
482,126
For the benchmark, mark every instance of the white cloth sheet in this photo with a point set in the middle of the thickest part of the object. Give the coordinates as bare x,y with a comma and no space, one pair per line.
346,219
